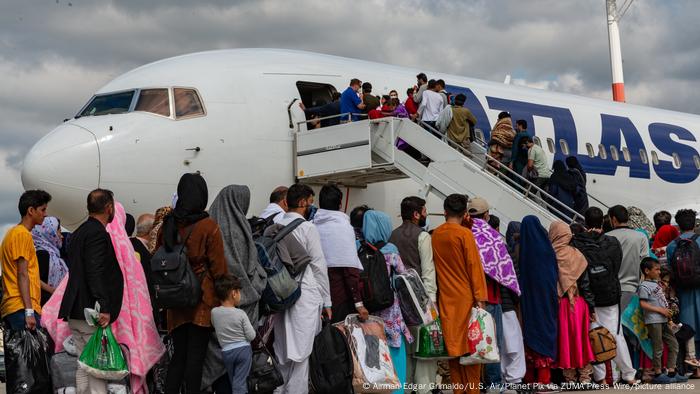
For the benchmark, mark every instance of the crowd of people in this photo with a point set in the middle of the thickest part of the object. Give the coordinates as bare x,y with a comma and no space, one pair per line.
545,288
512,150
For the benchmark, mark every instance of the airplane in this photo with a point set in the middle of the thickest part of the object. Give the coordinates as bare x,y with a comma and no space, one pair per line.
232,115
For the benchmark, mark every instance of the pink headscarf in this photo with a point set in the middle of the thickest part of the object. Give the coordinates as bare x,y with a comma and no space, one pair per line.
134,327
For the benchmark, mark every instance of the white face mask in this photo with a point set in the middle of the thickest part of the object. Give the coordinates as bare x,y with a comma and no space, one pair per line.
174,200
427,223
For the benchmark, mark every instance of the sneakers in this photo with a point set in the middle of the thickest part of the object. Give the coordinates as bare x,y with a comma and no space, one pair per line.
679,378
664,379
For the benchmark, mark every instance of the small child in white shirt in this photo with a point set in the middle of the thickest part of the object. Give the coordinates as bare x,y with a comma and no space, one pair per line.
234,332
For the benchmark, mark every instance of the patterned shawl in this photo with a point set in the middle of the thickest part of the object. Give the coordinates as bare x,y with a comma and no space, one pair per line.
503,133
494,255
161,213
46,238
134,327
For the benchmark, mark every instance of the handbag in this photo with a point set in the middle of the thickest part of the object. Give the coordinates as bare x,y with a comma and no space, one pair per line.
603,343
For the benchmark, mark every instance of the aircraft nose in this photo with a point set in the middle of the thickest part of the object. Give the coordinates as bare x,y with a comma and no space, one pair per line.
65,163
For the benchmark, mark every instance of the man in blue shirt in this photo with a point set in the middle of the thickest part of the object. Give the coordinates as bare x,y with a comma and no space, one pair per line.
350,102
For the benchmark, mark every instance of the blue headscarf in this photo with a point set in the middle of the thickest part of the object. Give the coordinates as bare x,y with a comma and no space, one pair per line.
538,282
513,228
377,228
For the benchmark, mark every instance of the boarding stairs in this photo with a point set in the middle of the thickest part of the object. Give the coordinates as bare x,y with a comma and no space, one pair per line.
365,152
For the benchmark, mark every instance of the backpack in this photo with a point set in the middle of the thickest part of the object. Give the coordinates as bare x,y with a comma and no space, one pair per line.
377,292
265,375
258,225
685,262
331,366
275,254
175,285
604,281
603,343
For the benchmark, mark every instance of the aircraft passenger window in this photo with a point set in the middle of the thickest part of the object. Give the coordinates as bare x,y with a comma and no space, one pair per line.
626,154
643,156
564,146
550,145
155,101
614,154
187,103
696,159
601,152
676,161
108,104
654,158
589,149
537,141
479,134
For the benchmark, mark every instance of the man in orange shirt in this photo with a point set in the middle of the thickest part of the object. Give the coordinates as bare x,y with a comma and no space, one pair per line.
21,286
461,286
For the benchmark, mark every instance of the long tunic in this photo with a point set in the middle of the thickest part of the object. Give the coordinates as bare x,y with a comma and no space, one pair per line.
461,283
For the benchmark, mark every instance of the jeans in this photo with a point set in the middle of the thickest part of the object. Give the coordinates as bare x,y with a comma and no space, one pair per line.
238,362
492,372
16,320
190,342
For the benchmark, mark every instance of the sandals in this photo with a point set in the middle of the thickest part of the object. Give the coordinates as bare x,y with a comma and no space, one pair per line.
693,362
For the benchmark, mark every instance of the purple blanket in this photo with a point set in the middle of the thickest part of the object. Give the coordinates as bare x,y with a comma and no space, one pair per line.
494,255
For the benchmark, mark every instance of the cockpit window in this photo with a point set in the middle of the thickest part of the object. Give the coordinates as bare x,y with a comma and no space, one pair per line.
187,103
155,101
111,103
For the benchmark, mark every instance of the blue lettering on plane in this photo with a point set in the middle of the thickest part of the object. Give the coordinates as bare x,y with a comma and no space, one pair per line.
613,128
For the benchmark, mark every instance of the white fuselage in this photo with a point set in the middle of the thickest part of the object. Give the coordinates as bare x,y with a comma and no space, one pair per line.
244,136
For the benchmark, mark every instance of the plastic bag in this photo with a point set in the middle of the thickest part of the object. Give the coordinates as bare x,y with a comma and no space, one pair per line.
63,368
373,368
26,362
102,356
160,370
431,342
481,335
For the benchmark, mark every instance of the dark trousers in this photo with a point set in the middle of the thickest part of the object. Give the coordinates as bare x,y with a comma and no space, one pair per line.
238,362
16,320
190,344
660,333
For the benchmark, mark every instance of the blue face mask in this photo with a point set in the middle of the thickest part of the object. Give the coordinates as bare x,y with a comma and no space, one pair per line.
426,226
311,212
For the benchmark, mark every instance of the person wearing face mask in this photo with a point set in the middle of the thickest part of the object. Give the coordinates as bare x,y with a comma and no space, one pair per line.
416,250
296,328
94,275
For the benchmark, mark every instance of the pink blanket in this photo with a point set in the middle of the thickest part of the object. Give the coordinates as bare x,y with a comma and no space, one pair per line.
134,327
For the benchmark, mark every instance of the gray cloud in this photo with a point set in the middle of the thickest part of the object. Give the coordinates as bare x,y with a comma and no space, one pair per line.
54,56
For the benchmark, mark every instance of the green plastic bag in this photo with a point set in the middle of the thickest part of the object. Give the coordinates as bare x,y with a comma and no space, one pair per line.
102,356
431,342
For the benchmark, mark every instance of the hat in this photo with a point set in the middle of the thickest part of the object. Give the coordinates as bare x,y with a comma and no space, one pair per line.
477,206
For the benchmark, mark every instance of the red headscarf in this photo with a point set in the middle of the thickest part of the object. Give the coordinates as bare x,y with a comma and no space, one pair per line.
664,236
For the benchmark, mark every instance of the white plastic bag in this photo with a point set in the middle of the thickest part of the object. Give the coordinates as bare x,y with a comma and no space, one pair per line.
481,335
373,369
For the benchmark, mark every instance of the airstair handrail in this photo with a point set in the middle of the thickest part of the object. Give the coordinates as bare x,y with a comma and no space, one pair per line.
347,115
572,214
483,144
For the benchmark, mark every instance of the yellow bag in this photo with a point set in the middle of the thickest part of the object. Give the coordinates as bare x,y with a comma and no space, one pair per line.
603,343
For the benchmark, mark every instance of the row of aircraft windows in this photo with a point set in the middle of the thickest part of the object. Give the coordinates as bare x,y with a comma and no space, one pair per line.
615,153
186,102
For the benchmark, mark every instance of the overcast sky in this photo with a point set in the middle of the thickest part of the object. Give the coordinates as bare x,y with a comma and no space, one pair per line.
55,53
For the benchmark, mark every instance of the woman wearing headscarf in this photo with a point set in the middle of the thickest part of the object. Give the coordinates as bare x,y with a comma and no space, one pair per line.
191,328
562,186
229,210
664,236
576,305
539,301
134,327
377,230
574,165
47,241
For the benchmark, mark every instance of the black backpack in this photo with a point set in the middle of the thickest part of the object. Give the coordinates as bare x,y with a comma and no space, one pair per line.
265,375
175,285
283,289
604,281
258,225
685,262
331,365
377,291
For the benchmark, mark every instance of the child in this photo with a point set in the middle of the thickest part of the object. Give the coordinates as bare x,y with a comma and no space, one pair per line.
656,315
234,332
674,323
